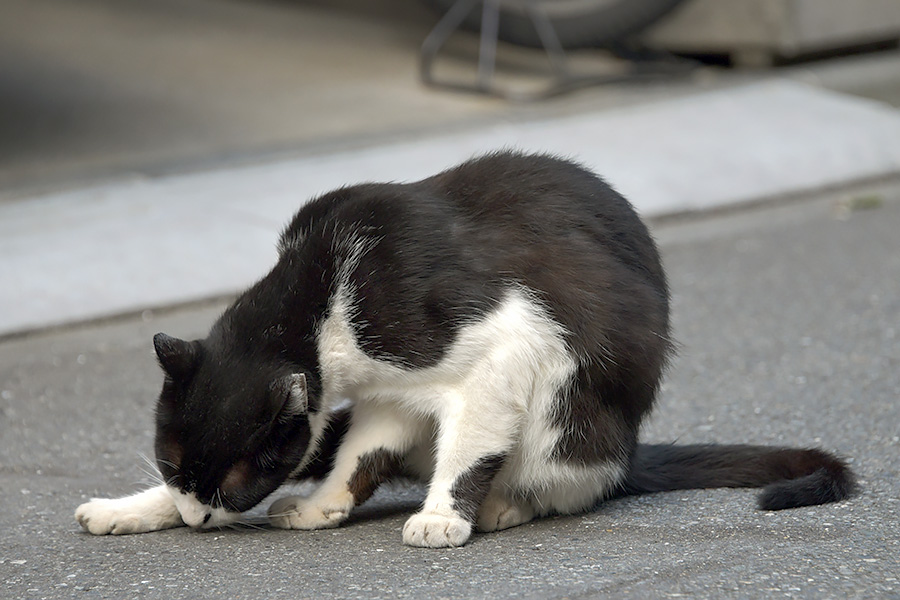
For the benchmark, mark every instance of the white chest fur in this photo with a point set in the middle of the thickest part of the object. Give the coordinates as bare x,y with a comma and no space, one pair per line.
512,366
516,352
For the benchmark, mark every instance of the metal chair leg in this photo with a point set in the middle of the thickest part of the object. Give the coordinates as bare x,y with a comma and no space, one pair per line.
448,24
562,80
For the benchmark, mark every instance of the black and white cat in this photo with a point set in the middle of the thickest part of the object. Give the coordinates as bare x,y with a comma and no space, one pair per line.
499,329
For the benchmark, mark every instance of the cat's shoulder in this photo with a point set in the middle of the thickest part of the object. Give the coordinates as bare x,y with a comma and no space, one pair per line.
332,214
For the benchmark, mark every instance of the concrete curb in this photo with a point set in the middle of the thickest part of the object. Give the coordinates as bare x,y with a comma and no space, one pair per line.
125,246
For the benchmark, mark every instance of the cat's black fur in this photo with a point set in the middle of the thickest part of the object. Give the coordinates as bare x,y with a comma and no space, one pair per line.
425,261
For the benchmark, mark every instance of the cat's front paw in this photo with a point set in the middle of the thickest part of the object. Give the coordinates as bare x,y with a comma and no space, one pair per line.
295,512
431,530
148,511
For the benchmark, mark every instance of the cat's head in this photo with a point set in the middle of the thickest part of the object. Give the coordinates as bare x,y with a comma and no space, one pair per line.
229,431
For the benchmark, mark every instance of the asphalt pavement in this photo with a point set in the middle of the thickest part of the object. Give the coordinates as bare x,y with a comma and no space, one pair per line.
788,318
139,141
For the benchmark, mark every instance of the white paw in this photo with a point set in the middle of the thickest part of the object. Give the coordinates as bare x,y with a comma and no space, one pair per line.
296,512
429,530
497,512
148,511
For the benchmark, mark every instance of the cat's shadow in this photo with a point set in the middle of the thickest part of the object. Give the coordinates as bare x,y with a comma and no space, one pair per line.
390,502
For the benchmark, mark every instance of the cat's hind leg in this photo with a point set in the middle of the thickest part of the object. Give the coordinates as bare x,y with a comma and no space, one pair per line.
499,511
371,453
150,510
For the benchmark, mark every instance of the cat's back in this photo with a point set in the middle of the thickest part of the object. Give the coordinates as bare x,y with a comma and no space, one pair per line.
540,212
502,185
532,218
495,189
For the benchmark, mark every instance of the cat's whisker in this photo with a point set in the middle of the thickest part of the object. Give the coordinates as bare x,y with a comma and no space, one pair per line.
151,464
143,456
150,471
151,477
261,526
280,514
168,463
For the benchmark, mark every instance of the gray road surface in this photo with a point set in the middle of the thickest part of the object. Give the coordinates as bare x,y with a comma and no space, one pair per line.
789,320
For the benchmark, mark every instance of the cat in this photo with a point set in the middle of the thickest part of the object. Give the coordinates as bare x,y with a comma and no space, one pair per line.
499,330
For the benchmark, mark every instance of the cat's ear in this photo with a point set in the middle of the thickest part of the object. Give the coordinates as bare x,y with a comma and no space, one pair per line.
178,358
293,391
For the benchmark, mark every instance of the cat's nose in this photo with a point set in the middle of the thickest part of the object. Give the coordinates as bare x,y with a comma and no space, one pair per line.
196,520
201,520
194,514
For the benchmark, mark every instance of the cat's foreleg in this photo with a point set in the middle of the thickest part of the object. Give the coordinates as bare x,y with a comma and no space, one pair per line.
473,441
370,453
150,510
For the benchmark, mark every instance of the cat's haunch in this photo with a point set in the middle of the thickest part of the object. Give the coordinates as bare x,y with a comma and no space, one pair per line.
500,331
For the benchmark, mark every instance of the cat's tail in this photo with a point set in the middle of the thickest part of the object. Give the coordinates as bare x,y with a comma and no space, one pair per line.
790,477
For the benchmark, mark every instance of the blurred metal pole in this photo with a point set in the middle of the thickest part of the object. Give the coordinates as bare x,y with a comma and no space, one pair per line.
562,80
